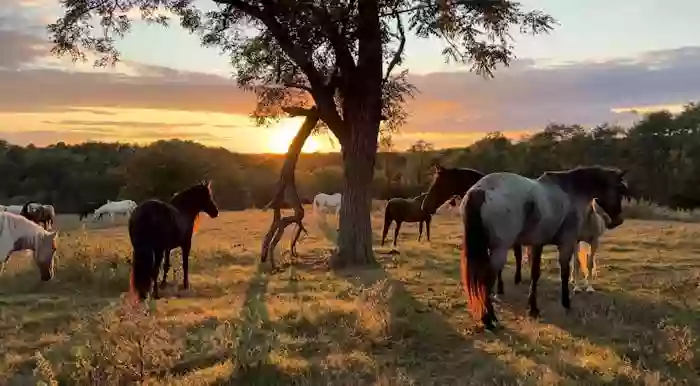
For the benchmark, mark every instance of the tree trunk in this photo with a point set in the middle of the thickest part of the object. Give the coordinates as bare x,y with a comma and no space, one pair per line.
355,238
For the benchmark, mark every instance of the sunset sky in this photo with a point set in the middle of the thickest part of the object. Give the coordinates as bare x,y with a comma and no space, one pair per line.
605,59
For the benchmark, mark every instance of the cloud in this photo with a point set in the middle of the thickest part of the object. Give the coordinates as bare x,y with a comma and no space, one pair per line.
532,96
451,106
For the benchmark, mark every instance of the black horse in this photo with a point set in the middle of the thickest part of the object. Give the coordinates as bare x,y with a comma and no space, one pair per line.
156,227
450,182
86,209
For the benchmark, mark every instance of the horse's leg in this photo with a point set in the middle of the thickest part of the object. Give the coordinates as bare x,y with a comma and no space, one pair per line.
396,232
535,260
499,283
166,268
385,230
420,229
427,228
565,252
499,256
155,270
186,264
518,252
591,269
578,263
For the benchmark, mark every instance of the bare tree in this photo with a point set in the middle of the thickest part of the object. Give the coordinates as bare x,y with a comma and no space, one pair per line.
333,58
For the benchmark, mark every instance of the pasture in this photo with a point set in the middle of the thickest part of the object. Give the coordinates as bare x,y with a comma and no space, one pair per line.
400,323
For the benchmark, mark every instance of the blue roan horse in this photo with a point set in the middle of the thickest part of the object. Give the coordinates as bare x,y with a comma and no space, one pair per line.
504,209
450,182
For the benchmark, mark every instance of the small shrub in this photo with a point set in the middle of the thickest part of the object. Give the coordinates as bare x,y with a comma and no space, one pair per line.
126,344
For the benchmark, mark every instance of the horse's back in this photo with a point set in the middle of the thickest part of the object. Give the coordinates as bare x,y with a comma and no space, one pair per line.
511,201
155,222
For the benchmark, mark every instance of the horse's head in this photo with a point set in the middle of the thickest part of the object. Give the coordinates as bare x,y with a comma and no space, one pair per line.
45,253
204,199
607,186
448,182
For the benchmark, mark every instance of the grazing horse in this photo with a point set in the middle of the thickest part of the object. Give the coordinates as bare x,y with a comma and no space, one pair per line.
156,227
323,202
15,209
18,233
124,207
45,215
504,209
594,225
450,182
87,209
402,210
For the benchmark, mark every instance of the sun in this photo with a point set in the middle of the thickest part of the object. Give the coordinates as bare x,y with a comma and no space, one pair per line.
281,136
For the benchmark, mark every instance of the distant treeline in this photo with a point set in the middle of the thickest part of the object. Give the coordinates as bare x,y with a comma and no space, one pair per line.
661,153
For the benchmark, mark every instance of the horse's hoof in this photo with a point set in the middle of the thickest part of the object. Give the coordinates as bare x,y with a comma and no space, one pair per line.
518,280
590,289
577,289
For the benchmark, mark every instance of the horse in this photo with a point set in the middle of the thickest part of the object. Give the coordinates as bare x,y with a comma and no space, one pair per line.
593,227
44,215
449,206
401,210
124,207
87,209
324,201
15,209
504,209
18,233
451,182
156,226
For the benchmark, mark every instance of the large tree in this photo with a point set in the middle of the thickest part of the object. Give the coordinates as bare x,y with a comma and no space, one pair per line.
331,60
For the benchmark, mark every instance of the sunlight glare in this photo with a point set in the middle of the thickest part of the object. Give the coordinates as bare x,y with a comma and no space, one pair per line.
282,135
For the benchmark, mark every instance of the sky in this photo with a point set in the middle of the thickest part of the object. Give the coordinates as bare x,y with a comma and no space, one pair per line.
606,61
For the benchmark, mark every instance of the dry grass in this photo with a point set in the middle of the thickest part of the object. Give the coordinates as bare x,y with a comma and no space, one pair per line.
401,323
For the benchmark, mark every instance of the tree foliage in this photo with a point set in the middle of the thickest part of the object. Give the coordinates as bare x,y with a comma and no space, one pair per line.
661,152
298,53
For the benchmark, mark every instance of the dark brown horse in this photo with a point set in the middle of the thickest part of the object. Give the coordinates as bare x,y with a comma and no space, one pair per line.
156,227
451,182
43,215
402,210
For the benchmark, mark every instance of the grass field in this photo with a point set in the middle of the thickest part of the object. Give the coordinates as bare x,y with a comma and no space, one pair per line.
403,322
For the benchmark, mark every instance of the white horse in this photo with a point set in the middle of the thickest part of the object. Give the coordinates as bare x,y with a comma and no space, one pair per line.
594,225
124,207
450,207
324,202
18,233
15,209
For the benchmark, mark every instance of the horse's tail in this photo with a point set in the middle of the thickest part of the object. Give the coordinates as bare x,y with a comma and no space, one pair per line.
387,220
475,260
141,266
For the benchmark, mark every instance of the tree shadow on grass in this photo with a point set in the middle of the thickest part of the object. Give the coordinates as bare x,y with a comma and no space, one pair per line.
428,348
632,327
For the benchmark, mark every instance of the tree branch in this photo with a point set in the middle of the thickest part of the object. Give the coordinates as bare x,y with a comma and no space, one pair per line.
298,86
287,185
399,51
